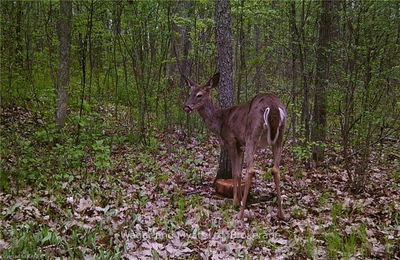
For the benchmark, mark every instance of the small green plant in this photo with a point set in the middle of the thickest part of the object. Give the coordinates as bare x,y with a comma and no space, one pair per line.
337,147
147,161
334,243
4,181
195,200
396,175
227,210
298,174
337,210
303,152
298,213
324,198
143,199
72,154
153,144
102,154
309,246
362,238
342,245
202,137
260,238
192,171
396,218
27,242
267,176
180,210
43,136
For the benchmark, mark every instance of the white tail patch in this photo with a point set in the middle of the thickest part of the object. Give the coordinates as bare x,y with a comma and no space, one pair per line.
266,113
282,116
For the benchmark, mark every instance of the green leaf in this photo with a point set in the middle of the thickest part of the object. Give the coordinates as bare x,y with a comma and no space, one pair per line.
46,238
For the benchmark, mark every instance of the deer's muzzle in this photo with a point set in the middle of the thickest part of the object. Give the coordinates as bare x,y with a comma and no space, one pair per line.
187,109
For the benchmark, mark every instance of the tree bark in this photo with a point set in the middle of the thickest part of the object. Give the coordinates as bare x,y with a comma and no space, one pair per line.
258,74
318,129
223,37
305,115
18,36
179,48
241,45
64,35
293,47
90,45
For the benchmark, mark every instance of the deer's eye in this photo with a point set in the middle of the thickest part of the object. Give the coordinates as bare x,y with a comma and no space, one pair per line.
199,95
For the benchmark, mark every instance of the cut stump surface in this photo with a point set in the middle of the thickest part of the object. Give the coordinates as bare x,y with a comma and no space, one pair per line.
224,187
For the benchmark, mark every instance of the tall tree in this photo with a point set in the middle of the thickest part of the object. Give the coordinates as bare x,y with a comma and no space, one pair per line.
64,34
318,129
304,71
179,49
240,60
258,74
223,36
293,46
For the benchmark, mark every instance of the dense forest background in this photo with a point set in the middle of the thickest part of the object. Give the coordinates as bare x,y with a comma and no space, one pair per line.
91,104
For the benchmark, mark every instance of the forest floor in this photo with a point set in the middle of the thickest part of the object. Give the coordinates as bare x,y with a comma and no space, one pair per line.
104,196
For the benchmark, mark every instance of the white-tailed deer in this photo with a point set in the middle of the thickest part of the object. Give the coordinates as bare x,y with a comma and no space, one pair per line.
256,124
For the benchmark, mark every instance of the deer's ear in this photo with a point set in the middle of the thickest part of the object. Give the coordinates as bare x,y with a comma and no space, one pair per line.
213,82
189,82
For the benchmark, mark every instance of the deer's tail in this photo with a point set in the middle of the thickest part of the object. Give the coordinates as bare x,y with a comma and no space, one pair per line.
272,122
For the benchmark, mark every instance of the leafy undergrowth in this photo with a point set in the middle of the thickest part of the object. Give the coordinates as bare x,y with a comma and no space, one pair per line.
100,195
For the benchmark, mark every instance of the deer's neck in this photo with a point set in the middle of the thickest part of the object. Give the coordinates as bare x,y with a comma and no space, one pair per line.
209,114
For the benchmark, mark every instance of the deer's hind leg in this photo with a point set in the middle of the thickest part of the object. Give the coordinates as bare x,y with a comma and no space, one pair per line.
277,151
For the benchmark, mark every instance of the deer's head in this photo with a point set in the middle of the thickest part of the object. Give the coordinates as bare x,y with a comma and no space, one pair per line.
199,95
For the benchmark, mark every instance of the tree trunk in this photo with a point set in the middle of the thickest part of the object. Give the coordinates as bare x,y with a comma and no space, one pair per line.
258,74
224,65
293,47
90,49
318,129
18,36
239,53
64,35
179,48
50,46
305,114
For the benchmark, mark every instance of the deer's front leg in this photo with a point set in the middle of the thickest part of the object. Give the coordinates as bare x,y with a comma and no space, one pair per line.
236,159
249,176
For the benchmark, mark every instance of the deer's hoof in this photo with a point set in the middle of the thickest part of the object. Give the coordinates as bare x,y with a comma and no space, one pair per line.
241,214
281,216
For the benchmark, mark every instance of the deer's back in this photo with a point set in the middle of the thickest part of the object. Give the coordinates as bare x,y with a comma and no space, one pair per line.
258,105
240,120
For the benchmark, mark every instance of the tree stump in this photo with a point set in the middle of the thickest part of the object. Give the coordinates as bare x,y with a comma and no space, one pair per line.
224,187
